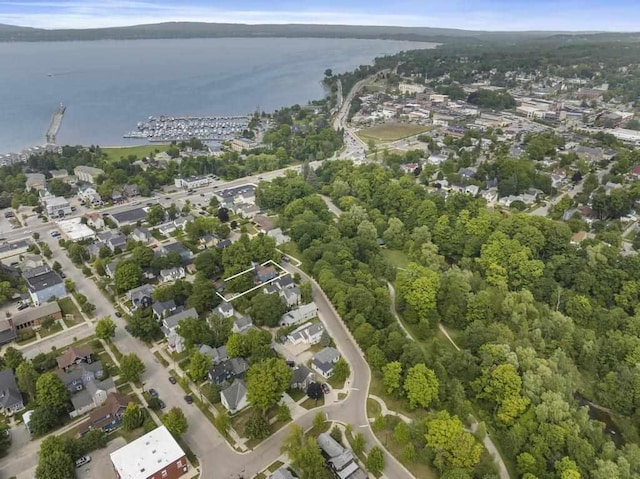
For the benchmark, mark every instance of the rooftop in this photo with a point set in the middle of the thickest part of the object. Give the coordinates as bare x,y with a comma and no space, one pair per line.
43,281
146,455
131,216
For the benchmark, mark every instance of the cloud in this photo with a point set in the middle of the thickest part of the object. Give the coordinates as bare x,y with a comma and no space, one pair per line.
111,13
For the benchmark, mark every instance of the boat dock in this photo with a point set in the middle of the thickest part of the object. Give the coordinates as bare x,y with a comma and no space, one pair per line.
183,128
56,121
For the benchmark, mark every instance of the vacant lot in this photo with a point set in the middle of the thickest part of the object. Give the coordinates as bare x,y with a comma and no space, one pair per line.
391,131
138,151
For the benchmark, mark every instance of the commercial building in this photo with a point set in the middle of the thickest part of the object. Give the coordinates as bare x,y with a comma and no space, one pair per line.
74,229
8,250
129,217
88,174
156,455
55,206
192,182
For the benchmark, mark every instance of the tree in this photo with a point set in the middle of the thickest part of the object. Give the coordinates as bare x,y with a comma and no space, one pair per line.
155,215
55,465
133,417
203,297
257,426
143,325
5,437
13,358
420,386
199,365
266,382
341,370
284,413
306,292
223,422
195,331
131,367
44,419
375,460
267,309
142,256
318,421
401,433
27,376
314,391
304,453
175,421
358,443
419,286
51,392
454,447
392,376
128,276
106,328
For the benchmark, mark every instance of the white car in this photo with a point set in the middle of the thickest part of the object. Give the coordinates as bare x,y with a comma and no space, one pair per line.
83,460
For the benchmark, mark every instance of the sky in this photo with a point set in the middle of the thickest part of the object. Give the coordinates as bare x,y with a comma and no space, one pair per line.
584,15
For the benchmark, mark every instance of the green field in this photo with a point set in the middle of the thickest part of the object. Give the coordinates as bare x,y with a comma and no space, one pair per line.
141,151
391,131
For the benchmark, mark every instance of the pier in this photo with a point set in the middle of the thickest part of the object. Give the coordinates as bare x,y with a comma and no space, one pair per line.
56,121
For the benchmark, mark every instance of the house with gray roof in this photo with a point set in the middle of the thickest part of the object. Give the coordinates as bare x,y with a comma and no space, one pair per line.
224,310
117,241
308,333
302,377
283,473
110,268
290,296
142,235
93,395
217,355
44,284
234,398
163,309
339,459
169,328
10,397
129,217
227,370
242,325
323,361
299,315
142,296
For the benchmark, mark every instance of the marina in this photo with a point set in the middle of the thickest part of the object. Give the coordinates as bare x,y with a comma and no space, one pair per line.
183,128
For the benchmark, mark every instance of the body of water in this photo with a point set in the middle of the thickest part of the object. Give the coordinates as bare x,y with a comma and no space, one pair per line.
108,86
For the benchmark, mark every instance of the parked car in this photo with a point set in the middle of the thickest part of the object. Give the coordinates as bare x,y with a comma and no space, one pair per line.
83,460
291,364
285,258
23,306
153,393
325,388
55,234
118,314
172,380
162,404
62,275
189,399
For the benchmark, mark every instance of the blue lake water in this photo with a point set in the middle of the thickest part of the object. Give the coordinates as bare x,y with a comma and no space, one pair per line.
108,86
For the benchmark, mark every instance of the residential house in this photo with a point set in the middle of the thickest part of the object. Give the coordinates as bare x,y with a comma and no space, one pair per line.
89,195
167,228
44,284
324,360
217,355
129,217
74,356
107,417
131,191
35,182
224,310
339,459
31,317
299,315
635,172
283,473
7,332
176,247
142,235
290,296
279,285
31,261
308,333
110,268
59,174
172,274
164,309
242,325
116,196
263,223
117,242
169,328
142,296
247,210
93,395
76,378
55,206
94,220
302,377
265,273
94,249
208,241
227,370
234,398
10,397
87,174
590,154
156,455
222,244
279,236
181,221
468,173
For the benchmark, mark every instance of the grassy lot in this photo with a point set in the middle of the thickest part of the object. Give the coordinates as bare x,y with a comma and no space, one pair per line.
398,405
69,307
395,257
161,358
391,131
55,328
290,249
296,394
373,408
108,363
128,436
311,403
141,151
239,420
335,384
26,337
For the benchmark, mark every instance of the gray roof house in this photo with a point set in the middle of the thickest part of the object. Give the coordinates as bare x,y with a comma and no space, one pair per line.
234,398
324,360
242,325
339,459
308,333
169,325
224,310
141,234
283,473
301,378
296,316
93,395
218,355
45,285
10,397
162,309
142,295
110,268
77,378
227,370
118,241
290,296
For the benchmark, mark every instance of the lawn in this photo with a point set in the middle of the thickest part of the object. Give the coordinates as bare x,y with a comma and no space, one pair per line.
53,329
296,394
391,131
311,403
69,307
395,257
141,151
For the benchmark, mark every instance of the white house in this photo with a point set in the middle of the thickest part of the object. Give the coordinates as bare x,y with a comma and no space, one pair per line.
172,274
324,360
308,333
297,316
234,398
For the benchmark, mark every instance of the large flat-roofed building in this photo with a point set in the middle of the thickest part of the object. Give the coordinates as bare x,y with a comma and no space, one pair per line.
44,284
56,206
88,174
75,230
13,249
192,182
129,217
156,455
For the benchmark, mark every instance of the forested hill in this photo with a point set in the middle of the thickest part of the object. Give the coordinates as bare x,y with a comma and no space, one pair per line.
9,33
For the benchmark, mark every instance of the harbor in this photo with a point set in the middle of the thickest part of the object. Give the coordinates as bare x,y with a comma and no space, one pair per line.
56,122
183,128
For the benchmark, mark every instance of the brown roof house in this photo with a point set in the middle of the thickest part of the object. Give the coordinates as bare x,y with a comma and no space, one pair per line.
108,416
74,355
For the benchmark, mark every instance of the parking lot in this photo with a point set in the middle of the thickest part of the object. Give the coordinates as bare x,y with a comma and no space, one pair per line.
100,466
